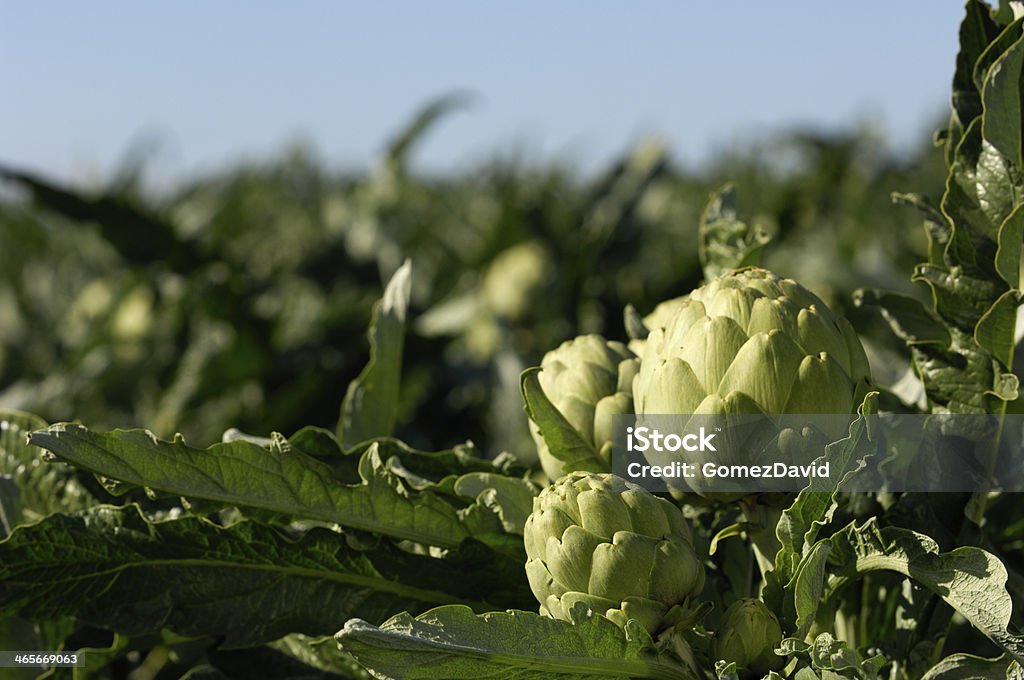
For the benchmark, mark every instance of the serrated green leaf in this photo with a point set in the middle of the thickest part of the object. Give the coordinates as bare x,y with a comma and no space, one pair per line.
725,242
278,661
827,653
439,470
42,488
510,498
249,582
799,524
370,406
321,653
451,642
813,508
969,667
908,318
969,579
247,475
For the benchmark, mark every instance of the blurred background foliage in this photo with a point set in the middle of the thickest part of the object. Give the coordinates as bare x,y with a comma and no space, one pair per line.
241,299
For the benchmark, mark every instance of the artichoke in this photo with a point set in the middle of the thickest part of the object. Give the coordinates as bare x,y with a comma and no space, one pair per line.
589,380
514,279
600,540
748,636
751,342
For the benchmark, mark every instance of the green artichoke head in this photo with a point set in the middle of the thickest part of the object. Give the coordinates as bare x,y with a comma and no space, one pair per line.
751,343
622,551
748,636
752,336
589,380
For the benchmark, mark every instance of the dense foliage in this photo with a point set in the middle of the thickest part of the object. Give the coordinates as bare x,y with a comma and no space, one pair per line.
385,534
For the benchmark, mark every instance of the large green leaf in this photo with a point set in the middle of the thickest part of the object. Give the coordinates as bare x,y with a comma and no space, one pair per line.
321,653
284,481
1002,102
814,506
908,318
970,667
371,402
451,642
976,31
510,498
793,588
249,582
42,488
971,580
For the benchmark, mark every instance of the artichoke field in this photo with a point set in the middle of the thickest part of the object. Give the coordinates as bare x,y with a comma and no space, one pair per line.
474,506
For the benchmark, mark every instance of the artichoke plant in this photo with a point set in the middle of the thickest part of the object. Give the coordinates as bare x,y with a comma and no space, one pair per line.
589,380
752,342
748,636
600,540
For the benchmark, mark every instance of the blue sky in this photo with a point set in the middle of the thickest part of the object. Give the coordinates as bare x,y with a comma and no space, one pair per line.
218,82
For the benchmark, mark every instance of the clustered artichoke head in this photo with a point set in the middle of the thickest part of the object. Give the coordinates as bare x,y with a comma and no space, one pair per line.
751,341
748,636
589,380
600,540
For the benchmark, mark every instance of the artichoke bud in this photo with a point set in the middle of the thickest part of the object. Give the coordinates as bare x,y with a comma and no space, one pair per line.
597,539
590,381
514,279
751,342
748,636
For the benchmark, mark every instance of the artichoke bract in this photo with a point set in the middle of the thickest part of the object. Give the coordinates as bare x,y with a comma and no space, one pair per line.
590,381
622,551
658,318
752,342
748,636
